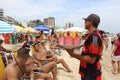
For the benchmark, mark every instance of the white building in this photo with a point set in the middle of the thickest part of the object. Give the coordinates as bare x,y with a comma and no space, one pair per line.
68,25
50,22
1,14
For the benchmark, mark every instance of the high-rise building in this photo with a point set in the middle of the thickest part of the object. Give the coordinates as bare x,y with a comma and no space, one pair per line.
1,14
50,22
68,25
9,20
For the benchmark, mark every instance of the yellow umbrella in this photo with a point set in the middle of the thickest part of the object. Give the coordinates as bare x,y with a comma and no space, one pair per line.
19,28
29,29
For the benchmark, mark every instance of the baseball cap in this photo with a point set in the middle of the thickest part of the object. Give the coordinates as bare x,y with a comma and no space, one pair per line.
94,18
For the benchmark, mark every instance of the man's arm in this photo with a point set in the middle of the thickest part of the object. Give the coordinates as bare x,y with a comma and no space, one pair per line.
37,62
86,58
5,50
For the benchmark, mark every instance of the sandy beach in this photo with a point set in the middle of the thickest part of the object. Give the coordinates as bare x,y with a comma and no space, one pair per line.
74,65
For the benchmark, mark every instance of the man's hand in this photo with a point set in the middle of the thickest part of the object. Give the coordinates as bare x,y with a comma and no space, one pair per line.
87,58
70,51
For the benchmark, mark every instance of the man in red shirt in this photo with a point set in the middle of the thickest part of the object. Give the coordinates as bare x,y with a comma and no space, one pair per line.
90,68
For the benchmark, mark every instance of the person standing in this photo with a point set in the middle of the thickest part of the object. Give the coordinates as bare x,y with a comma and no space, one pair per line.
116,57
90,68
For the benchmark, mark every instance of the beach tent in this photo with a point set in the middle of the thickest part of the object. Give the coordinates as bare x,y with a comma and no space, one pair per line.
6,28
75,29
41,27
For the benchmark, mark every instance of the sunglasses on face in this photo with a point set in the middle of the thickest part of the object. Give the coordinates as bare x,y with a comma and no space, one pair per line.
28,48
87,20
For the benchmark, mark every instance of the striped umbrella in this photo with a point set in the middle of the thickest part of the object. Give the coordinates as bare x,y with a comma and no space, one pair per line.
6,28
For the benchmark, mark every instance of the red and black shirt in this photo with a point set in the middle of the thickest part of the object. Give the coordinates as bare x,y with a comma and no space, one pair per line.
93,48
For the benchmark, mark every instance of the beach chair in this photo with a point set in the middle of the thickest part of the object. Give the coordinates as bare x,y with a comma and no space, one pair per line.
25,78
28,78
15,53
2,67
7,58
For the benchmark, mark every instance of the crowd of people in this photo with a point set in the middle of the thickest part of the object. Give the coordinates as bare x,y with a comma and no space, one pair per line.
42,62
43,59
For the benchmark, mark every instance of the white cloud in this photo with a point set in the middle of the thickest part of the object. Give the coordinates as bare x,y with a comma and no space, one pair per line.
65,11
22,8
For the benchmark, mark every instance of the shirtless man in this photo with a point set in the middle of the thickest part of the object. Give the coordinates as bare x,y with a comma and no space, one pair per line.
15,70
51,66
41,54
42,69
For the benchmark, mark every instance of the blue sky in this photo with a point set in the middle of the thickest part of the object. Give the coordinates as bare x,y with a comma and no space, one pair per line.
66,11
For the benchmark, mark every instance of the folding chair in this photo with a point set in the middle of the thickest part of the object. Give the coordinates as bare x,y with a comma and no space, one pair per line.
2,67
25,78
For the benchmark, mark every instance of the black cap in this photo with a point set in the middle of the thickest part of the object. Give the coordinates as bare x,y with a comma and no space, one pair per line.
94,18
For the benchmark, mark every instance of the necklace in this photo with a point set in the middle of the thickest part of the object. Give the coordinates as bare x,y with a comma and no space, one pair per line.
20,67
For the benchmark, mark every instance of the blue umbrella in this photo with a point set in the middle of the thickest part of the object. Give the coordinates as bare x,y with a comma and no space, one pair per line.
41,27
6,28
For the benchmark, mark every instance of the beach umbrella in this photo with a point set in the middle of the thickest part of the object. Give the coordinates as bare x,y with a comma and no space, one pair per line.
29,29
59,30
46,32
19,28
75,29
6,28
41,27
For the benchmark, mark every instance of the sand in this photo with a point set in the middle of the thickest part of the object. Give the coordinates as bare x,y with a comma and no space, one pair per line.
74,65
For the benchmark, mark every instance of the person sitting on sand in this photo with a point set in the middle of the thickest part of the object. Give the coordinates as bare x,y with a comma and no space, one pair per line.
41,54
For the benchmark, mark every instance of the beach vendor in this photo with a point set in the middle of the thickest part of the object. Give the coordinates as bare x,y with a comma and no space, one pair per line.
90,68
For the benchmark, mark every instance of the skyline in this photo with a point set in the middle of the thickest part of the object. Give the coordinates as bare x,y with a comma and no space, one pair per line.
66,11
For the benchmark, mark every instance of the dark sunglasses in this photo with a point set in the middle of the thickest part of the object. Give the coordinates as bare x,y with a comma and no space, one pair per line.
87,20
